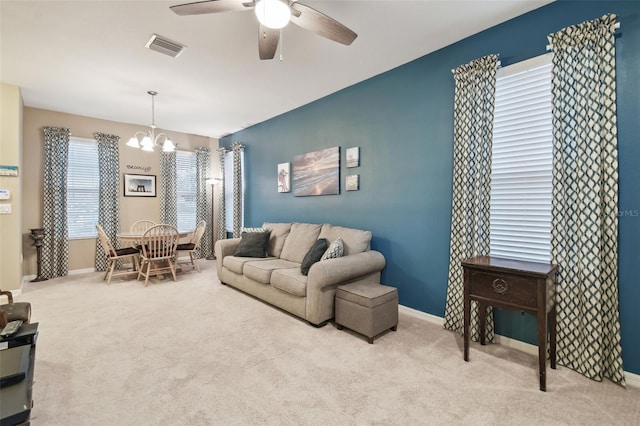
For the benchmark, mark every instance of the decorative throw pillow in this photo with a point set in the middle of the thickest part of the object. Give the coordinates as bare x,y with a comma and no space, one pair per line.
253,230
336,249
253,244
313,255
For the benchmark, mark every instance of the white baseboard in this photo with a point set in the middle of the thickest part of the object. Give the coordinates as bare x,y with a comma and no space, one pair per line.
631,378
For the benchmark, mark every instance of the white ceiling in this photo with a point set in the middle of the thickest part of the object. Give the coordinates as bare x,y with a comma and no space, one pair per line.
88,57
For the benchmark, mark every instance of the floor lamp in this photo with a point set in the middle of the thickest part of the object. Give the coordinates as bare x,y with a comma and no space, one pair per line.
213,182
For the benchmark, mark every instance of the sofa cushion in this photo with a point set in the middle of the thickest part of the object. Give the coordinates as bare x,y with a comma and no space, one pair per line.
290,281
279,233
252,244
236,264
335,250
354,240
260,270
313,255
299,241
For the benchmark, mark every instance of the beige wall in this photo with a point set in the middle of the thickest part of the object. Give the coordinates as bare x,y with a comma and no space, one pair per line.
82,252
11,241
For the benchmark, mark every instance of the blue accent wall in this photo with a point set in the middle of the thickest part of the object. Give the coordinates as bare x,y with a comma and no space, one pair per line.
402,121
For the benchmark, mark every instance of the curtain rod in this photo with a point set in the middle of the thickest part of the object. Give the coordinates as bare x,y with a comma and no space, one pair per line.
615,26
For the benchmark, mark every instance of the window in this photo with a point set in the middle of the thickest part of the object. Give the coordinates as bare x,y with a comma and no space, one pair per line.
520,216
186,190
83,180
228,190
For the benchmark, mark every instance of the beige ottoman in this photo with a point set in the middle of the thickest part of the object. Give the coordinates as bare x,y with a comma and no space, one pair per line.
367,308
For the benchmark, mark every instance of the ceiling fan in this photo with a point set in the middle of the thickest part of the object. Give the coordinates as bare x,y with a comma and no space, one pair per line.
274,15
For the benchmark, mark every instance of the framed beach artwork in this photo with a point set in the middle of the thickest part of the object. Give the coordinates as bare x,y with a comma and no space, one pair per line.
317,173
139,185
353,156
284,177
353,183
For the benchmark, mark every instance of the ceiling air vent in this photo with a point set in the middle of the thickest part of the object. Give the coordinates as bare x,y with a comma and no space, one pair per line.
164,45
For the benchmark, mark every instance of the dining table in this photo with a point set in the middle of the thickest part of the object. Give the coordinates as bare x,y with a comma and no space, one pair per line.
135,236
131,238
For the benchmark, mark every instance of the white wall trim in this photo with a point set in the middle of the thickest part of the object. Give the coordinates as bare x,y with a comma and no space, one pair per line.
631,378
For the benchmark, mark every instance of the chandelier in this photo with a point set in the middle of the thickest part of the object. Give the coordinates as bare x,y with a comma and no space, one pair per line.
149,140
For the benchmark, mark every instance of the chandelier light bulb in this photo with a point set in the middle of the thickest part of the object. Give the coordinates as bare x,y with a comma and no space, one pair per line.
168,146
133,142
273,14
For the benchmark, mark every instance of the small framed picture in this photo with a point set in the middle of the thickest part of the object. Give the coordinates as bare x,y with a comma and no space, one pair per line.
353,183
284,177
353,156
139,185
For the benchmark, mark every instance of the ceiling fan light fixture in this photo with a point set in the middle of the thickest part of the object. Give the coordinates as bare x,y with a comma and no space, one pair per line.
273,14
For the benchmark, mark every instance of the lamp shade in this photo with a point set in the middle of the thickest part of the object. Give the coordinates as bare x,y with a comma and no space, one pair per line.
273,13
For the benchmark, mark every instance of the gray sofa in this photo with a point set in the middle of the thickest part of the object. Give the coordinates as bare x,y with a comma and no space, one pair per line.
277,278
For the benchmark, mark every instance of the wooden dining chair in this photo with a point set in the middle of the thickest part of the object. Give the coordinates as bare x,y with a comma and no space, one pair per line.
139,227
193,246
142,225
114,255
158,252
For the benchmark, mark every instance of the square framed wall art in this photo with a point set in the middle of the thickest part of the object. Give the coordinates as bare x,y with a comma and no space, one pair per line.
353,157
139,185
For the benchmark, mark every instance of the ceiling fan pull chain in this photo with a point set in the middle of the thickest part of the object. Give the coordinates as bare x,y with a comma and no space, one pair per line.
281,45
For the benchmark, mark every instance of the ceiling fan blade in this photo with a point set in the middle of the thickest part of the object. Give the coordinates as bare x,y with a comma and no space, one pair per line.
211,6
268,42
312,20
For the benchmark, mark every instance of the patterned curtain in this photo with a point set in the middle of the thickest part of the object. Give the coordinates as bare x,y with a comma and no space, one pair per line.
222,216
109,207
238,148
475,86
168,189
203,195
55,248
584,236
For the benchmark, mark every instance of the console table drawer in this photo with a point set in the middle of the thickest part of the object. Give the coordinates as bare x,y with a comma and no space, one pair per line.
504,289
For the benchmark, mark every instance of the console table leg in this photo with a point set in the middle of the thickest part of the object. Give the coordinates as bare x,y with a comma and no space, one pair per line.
482,322
542,348
552,336
465,328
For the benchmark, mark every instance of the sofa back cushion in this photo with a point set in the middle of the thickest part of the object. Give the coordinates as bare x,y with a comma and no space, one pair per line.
299,241
354,240
279,233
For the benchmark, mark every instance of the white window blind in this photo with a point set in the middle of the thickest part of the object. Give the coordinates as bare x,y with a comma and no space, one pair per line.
82,188
186,190
520,216
228,190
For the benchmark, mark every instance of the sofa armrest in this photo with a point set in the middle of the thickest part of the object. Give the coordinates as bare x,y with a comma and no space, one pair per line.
324,277
224,248
344,269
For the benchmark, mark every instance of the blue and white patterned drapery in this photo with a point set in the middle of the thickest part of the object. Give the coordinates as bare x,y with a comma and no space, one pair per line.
109,197
475,87
238,148
168,189
220,201
203,196
584,236
55,248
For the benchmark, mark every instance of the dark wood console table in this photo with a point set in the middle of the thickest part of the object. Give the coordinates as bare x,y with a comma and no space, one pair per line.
513,285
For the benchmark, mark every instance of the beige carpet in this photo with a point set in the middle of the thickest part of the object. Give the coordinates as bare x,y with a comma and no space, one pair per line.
194,352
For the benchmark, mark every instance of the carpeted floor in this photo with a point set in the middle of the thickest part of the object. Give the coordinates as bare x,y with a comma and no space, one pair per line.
195,352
